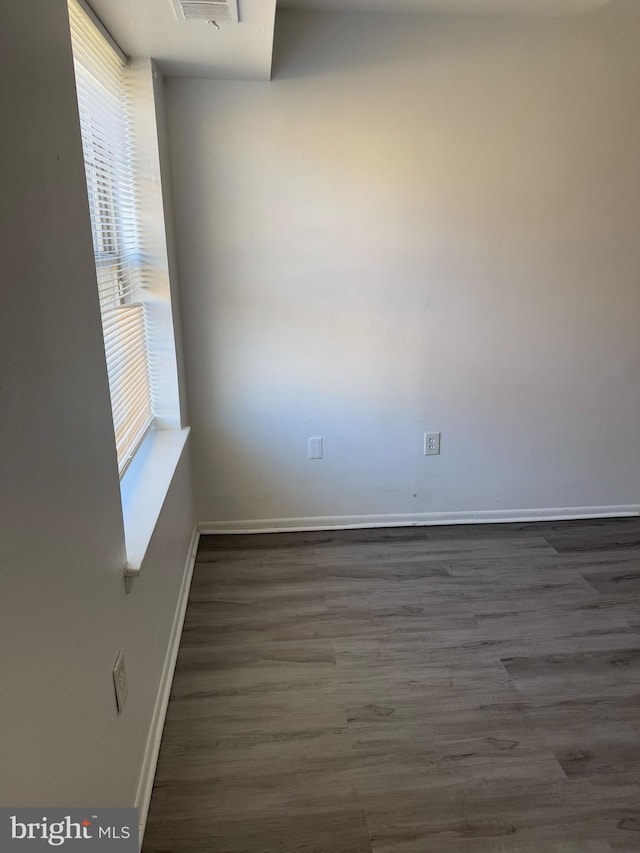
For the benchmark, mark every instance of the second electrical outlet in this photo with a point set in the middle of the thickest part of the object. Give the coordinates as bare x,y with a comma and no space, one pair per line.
431,443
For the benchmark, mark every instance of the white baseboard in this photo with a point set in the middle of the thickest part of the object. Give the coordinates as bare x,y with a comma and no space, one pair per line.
148,772
354,522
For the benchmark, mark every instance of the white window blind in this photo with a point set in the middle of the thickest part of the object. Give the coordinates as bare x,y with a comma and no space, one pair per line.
113,192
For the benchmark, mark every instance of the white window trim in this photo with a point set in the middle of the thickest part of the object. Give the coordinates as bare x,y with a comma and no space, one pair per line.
144,488
147,479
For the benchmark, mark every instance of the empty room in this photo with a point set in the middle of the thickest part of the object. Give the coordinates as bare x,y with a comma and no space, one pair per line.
320,420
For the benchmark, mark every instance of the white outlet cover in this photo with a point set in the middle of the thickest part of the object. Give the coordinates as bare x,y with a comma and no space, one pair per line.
315,448
120,683
431,443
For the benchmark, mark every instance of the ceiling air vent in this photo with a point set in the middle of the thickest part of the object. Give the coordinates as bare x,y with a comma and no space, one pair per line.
220,11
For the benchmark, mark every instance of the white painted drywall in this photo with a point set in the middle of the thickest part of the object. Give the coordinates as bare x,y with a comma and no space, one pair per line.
419,224
64,612
164,166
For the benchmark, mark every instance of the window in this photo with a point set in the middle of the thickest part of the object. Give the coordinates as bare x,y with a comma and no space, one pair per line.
113,188
121,107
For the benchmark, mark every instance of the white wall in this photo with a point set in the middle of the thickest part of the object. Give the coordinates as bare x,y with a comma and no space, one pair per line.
164,164
418,225
64,612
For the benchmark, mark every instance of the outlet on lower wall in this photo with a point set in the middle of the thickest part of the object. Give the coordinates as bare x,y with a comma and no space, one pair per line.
120,682
315,448
431,443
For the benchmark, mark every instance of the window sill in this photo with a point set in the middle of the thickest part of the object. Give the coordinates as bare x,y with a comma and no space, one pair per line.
144,488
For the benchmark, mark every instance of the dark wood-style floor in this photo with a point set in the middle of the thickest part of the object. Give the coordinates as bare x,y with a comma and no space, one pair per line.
444,689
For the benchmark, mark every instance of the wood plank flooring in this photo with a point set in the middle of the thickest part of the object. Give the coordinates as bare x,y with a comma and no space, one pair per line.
413,690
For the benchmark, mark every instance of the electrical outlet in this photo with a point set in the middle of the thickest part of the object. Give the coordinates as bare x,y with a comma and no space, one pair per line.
431,443
315,448
120,682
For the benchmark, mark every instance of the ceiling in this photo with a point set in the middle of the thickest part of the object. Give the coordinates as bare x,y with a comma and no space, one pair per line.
243,51
193,48
469,7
